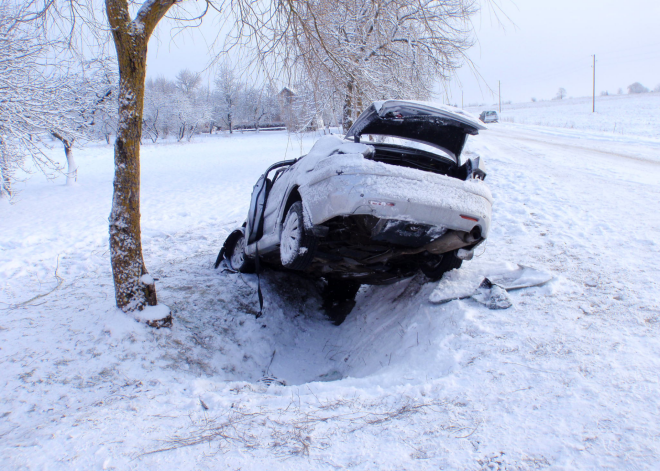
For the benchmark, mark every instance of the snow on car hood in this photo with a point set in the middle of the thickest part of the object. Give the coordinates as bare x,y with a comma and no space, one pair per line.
328,146
439,125
331,156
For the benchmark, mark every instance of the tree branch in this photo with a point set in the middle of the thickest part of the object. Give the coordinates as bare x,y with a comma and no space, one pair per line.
151,12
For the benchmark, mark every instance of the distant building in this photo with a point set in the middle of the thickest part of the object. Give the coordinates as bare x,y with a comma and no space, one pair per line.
295,113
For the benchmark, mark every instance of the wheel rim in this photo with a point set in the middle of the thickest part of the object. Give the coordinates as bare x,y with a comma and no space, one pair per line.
238,255
290,243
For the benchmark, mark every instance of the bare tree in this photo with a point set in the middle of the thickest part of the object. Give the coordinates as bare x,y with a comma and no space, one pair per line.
637,88
36,99
159,117
561,94
227,97
188,81
365,49
90,98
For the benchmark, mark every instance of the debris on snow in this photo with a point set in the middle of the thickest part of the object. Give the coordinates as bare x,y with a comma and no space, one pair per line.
492,290
492,296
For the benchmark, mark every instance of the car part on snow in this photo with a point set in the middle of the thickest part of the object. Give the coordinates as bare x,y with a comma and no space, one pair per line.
492,296
521,277
339,298
298,246
476,168
270,379
435,266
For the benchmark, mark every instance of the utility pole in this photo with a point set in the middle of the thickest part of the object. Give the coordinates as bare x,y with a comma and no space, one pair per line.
499,94
462,100
593,102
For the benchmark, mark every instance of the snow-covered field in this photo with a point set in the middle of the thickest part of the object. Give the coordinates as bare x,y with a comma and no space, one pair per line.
633,115
567,378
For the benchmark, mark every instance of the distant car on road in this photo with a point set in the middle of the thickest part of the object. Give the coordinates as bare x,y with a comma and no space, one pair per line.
489,117
391,198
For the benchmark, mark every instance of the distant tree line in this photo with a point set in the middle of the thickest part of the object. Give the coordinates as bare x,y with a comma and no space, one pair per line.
184,106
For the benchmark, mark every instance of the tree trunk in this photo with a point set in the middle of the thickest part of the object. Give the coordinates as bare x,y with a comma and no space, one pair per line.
71,167
130,38
347,112
5,180
358,111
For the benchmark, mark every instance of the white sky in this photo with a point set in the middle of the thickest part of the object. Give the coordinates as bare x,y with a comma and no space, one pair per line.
550,43
544,46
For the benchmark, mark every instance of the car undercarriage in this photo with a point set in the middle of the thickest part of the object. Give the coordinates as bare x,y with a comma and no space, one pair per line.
379,251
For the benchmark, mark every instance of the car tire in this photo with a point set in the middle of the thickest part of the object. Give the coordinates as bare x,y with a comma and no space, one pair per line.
339,298
435,266
297,246
235,254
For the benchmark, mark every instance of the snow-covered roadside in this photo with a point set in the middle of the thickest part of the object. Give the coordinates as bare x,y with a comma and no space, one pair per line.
620,115
567,378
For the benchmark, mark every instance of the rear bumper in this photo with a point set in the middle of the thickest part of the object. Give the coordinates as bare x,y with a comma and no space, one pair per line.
435,200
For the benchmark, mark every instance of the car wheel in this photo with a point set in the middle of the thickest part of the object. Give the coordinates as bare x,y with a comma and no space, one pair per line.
339,299
297,246
235,254
434,266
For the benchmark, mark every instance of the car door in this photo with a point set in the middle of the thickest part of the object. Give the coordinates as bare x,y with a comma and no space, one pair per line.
265,201
276,201
260,191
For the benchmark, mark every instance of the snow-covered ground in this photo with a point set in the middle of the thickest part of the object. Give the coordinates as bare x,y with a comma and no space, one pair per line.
633,115
567,378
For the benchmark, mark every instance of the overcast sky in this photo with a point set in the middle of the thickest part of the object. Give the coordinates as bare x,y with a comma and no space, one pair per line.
543,46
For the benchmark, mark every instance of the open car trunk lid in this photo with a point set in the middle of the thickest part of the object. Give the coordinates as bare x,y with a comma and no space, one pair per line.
438,125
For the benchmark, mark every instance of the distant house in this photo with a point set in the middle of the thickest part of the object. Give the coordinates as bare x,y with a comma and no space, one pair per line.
286,96
294,114
286,99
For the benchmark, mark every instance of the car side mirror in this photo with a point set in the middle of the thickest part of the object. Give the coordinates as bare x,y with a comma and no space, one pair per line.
476,168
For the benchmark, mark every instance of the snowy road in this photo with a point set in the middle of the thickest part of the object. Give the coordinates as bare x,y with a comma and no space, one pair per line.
568,378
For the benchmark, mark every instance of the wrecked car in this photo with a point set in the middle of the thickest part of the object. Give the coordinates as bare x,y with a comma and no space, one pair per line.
391,198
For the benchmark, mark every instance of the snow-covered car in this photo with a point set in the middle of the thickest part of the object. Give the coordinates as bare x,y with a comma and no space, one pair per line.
489,117
391,198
